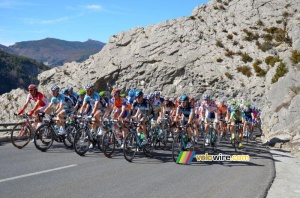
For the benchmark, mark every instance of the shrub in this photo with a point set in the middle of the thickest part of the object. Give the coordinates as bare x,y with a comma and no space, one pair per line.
286,14
228,75
229,36
235,33
279,21
258,70
295,89
271,60
267,45
250,36
295,58
246,58
192,18
241,47
235,43
234,24
224,30
271,30
242,84
229,53
219,60
219,43
267,37
280,71
260,23
244,70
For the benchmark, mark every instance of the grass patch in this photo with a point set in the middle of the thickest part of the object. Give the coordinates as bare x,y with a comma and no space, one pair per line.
265,46
295,58
246,58
219,60
246,70
219,44
271,60
280,72
260,23
229,36
228,75
250,36
258,70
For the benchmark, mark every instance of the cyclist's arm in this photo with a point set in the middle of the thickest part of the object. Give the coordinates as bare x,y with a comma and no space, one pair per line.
36,106
95,107
26,103
48,108
60,108
122,112
83,109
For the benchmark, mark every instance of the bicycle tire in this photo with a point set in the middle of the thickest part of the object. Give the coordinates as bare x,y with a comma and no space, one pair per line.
20,138
44,137
130,146
82,141
108,143
176,147
68,139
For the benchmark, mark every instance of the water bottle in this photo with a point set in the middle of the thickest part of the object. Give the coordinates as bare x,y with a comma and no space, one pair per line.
185,138
56,128
142,136
208,138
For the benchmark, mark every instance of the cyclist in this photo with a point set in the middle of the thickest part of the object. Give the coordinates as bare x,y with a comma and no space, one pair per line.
157,106
236,117
185,115
81,94
249,118
41,102
223,115
209,113
73,95
119,106
141,110
63,108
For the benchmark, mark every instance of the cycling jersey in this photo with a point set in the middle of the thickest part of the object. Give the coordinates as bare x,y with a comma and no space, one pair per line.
95,97
79,103
222,110
236,117
189,110
68,104
169,106
144,107
74,96
43,100
248,115
118,103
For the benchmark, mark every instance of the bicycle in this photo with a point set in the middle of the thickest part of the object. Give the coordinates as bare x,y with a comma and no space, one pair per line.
110,138
235,141
180,141
210,138
84,137
48,132
133,142
22,132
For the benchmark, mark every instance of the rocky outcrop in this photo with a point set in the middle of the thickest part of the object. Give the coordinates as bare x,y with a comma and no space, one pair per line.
231,48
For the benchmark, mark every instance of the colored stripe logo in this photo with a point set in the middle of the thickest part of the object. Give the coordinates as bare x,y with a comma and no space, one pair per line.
185,157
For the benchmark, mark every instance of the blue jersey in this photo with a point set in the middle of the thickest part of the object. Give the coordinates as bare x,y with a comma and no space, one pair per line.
68,103
95,97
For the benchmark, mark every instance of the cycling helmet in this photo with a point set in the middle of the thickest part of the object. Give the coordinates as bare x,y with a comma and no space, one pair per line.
115,91
235,108
81,92
65,90
102,93
151,96
89,86
233,102
32,87
70,88
206,97
166,98
184,98
123,95
54,88
157,93
138,93
248,104
131,93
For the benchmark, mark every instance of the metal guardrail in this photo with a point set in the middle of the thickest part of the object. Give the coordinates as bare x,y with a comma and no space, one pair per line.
6,125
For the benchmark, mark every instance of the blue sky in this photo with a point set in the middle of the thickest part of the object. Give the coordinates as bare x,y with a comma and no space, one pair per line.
79,20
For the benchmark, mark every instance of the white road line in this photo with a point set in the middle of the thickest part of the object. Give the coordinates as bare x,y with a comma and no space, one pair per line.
36,173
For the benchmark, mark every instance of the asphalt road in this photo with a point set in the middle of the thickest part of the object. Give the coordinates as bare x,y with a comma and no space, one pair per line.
62,173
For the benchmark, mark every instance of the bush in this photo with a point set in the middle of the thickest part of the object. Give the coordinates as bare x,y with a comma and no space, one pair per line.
219,43
242,84
192,18
244,70
265,46
219,60
228,75
229,36
271,60
235,43
258,70
246,58
267,37
280,71
250,36
260,23
229,53
295,58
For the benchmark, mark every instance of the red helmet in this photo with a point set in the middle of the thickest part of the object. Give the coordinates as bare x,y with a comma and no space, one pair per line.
32,87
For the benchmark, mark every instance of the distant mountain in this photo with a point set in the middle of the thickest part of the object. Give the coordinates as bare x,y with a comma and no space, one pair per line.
55,52
18,72
6,49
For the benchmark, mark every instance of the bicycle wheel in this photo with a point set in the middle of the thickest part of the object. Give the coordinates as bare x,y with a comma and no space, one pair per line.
43,137
69,137
108,143
130,146
82,141
213,140
99,140
176,147
20,135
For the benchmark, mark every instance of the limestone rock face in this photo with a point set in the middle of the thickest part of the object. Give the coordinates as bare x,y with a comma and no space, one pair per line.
214,50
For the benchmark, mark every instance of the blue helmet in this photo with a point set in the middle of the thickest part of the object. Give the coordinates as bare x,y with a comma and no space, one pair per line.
184,98
65,90
138,93
131,93
55,88
89,86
